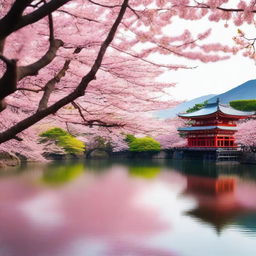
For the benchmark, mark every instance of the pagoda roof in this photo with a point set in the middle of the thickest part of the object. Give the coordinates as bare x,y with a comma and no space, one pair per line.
213,108
212,127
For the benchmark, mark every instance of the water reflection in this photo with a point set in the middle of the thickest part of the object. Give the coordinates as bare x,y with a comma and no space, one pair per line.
148,170
57,174
216,200
222,200
99,208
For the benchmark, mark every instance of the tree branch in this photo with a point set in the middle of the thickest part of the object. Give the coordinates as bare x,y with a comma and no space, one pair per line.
51,29
50,86
77,16
103,5
8,82
76,106
55,44
32,69
9,21
97,122
205,6
79,91
29,89
11,24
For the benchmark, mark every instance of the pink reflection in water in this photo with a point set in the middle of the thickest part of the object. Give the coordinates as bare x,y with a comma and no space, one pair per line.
121,249
245,194
45,221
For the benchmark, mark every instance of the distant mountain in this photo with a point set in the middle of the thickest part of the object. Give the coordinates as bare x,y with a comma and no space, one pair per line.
172,112
245,91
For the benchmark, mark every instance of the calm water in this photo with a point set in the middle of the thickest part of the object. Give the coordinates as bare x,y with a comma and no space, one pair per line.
103,208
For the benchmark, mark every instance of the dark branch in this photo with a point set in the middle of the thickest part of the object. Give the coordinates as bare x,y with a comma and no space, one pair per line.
10,25
103,5
29,89
12,18
96,122
33,69
51,30
76,106
79,91
77,17
205,6
50,86
8,82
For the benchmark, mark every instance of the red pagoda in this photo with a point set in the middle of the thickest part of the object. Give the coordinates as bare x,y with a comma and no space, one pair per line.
212,126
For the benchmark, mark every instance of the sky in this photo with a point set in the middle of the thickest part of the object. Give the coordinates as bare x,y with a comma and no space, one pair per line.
212,78
209,78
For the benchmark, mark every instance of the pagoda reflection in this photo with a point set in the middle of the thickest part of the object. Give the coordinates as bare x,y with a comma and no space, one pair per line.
217,201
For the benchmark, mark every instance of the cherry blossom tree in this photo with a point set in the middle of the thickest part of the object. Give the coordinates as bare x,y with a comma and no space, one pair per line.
90,62
238,12
170,138
246,134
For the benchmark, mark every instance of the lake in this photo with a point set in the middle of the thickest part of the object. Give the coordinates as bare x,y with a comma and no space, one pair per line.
128,208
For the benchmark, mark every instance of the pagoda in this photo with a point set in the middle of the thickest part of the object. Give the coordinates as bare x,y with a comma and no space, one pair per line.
213,126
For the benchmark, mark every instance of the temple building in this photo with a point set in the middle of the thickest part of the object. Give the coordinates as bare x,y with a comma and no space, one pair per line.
212,126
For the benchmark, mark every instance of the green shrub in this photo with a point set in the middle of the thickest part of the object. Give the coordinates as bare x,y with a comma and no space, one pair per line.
197,107
63,139
144,144
54,133
130,138
71,144
243,105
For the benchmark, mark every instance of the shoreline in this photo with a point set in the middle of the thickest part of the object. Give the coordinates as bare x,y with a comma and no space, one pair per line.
13,159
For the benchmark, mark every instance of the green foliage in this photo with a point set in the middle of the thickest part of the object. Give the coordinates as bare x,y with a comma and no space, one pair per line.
71,144
144,144
148,172
197,107
63,139
54,133
243,105
130,138
58,175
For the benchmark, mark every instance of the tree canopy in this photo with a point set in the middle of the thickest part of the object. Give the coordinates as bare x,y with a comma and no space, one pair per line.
144,144
243,105
197,107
